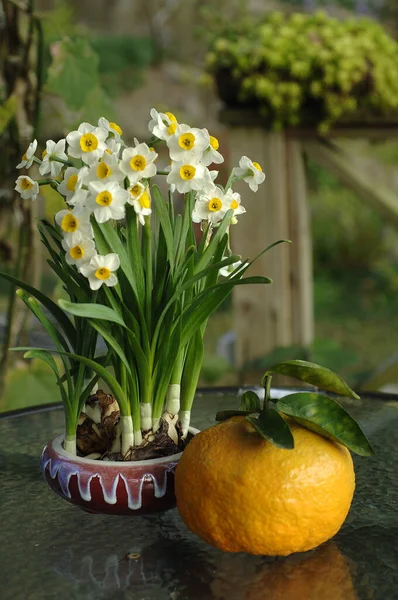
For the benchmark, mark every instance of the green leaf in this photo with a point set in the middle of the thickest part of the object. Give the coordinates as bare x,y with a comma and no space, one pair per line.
326,417
273,428
134,251
206,303
73,73
215,240
114,386
112,343
250,401
163,214
56,312
192,368
92,311
224,415
315,375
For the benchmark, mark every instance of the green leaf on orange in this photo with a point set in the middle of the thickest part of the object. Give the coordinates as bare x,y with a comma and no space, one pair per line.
273,428
224,415
326,417
315,375
250,401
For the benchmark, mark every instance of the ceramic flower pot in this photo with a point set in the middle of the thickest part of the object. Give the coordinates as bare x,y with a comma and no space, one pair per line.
110,487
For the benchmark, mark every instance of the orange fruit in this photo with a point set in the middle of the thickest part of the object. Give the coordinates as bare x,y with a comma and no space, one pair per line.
241,493
324,574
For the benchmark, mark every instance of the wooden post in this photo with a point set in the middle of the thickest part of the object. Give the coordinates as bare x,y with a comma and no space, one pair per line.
279,314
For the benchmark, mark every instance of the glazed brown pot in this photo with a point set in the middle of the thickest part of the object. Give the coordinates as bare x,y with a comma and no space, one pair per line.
111,487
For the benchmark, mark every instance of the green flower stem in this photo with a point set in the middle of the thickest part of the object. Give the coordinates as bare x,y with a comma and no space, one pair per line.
45,181
162,172
37,160
267,387
233,178
147,256
55,158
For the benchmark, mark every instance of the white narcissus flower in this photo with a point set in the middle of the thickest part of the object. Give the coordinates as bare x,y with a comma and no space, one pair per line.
27,158
75,225
138,163
233,201
106,170
211,154
142,205
50,165
107,200
162,125
79,254
72,183
28,188
186,177
210,206
87,143
188,143
226,271
110,127
113,146
100,270
253,173
135,192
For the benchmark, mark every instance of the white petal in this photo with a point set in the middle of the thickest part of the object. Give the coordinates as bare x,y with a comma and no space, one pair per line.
95,283
111,261
111,281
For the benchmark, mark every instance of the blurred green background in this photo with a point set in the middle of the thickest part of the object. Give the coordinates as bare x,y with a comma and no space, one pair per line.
62,63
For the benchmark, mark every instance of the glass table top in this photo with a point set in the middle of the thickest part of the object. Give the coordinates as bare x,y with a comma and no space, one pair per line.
51,549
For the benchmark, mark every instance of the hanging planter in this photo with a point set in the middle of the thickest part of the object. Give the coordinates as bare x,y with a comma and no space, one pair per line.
307,69
140,279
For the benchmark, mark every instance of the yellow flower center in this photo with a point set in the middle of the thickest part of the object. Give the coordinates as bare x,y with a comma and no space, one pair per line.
104,198
76,252
88,142
171,117
138,163
69,223
145,200
172,129
136,190
71,183
214,205
43,154
257,166
116,128
102,273
24,157
108,151
234,204
187,172
214,143
186,141
103,171
26,184
151,149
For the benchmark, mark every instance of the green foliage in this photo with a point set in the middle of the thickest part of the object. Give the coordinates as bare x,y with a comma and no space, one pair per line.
316,412
122,60
326,417
313,374
273,428
301,68
86,69
74,76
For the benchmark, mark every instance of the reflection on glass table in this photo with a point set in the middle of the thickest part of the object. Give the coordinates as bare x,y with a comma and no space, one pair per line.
51,549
